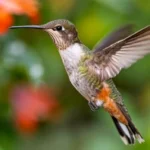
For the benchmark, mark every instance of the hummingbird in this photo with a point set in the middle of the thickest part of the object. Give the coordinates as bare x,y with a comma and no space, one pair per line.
91,71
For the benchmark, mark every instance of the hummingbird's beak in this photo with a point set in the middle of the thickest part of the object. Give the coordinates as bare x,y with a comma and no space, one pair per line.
27,26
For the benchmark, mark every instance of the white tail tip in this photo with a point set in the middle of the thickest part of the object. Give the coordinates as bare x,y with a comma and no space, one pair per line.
139,138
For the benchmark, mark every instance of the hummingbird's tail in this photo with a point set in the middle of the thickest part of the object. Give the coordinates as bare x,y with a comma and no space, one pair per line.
128,133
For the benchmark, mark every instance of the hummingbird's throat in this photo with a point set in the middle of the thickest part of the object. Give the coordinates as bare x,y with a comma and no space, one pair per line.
60,43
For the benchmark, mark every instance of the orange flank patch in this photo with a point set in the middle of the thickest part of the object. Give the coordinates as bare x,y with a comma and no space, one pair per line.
104,93
110,105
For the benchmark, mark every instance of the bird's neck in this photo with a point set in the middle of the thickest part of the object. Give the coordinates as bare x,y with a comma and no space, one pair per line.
72,54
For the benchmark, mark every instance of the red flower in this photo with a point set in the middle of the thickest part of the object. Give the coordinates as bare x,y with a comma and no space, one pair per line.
17,7
32,105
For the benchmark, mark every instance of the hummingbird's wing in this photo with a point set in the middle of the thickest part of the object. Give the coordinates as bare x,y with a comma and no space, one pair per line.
108,62
113,37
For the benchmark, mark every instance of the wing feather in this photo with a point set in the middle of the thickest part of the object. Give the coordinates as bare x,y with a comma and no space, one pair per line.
122,54
113,37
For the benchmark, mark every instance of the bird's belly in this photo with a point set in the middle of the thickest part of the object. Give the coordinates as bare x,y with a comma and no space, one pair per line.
83,86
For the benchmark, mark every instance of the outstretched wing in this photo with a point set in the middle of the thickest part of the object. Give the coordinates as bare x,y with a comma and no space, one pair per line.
108,62
113,37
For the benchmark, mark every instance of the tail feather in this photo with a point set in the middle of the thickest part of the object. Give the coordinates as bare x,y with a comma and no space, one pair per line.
129,134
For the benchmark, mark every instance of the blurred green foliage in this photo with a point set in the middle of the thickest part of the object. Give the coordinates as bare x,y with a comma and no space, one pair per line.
31,56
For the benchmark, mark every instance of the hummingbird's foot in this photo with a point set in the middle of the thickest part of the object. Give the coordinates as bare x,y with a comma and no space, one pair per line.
93,106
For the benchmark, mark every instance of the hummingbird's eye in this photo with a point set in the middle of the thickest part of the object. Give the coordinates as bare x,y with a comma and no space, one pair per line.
59,28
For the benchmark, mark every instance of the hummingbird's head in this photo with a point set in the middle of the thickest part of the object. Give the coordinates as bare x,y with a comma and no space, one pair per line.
62,31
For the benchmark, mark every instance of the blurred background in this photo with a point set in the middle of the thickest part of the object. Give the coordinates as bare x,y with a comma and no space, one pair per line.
39,108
